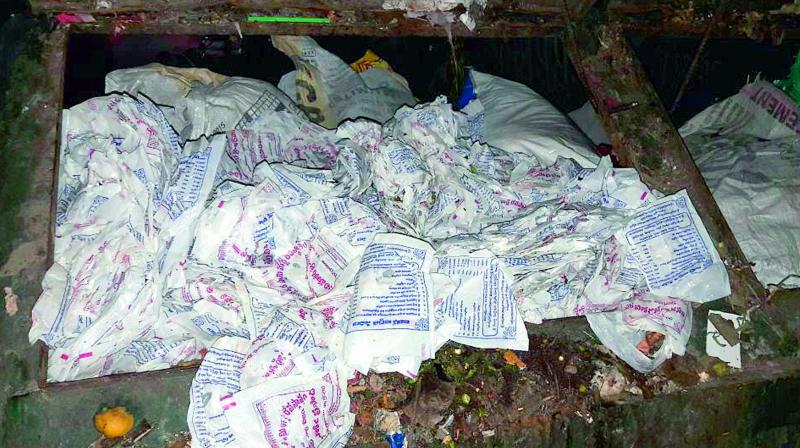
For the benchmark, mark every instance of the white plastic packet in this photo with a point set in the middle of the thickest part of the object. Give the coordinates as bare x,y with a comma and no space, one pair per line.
329,91
285,347
674,251
482,303
621,331
392,312
297,410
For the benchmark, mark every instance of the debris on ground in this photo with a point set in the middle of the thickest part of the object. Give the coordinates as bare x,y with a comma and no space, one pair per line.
440,12
388,423
130,439
180,440
722,337
11,301
612,385
511,358
651,343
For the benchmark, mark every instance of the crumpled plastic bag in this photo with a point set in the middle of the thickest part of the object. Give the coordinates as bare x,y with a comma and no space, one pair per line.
129,195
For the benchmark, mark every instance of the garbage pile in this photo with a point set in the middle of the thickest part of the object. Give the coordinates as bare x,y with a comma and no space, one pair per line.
291,238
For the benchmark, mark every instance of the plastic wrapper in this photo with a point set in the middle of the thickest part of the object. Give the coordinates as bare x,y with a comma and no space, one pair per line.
329,91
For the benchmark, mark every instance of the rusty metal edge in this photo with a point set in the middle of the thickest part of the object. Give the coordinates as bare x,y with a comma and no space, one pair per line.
119,377
746,290
55,57
399,28
134,6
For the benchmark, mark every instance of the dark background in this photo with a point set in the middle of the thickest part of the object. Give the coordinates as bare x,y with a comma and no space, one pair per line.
541,63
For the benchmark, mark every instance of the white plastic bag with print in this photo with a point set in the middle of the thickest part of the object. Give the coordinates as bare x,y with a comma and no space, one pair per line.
748,150
392,318
622,330
312,408
284,347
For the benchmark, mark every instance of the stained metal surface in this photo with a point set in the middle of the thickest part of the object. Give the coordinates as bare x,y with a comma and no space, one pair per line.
644,138
120,6
520,18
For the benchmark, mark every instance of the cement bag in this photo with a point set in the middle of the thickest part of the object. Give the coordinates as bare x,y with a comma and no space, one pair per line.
329,91
166,86
746,147
234,104
519,120
622,330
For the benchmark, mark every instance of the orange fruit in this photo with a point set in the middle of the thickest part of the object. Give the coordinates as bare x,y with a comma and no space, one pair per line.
114,422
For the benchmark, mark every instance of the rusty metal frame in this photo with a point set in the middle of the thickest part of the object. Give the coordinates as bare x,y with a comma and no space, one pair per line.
644,138
54,53
519,18
581,44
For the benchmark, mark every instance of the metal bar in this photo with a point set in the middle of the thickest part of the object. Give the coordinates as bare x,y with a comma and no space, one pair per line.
123,6
697,54
54,55
388,24
154,375
644,138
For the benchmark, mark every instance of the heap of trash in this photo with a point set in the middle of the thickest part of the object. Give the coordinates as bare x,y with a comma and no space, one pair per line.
289,237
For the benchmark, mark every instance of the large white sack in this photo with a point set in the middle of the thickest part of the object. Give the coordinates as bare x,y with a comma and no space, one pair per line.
166,86
746,147
198,101
522,121
234,104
